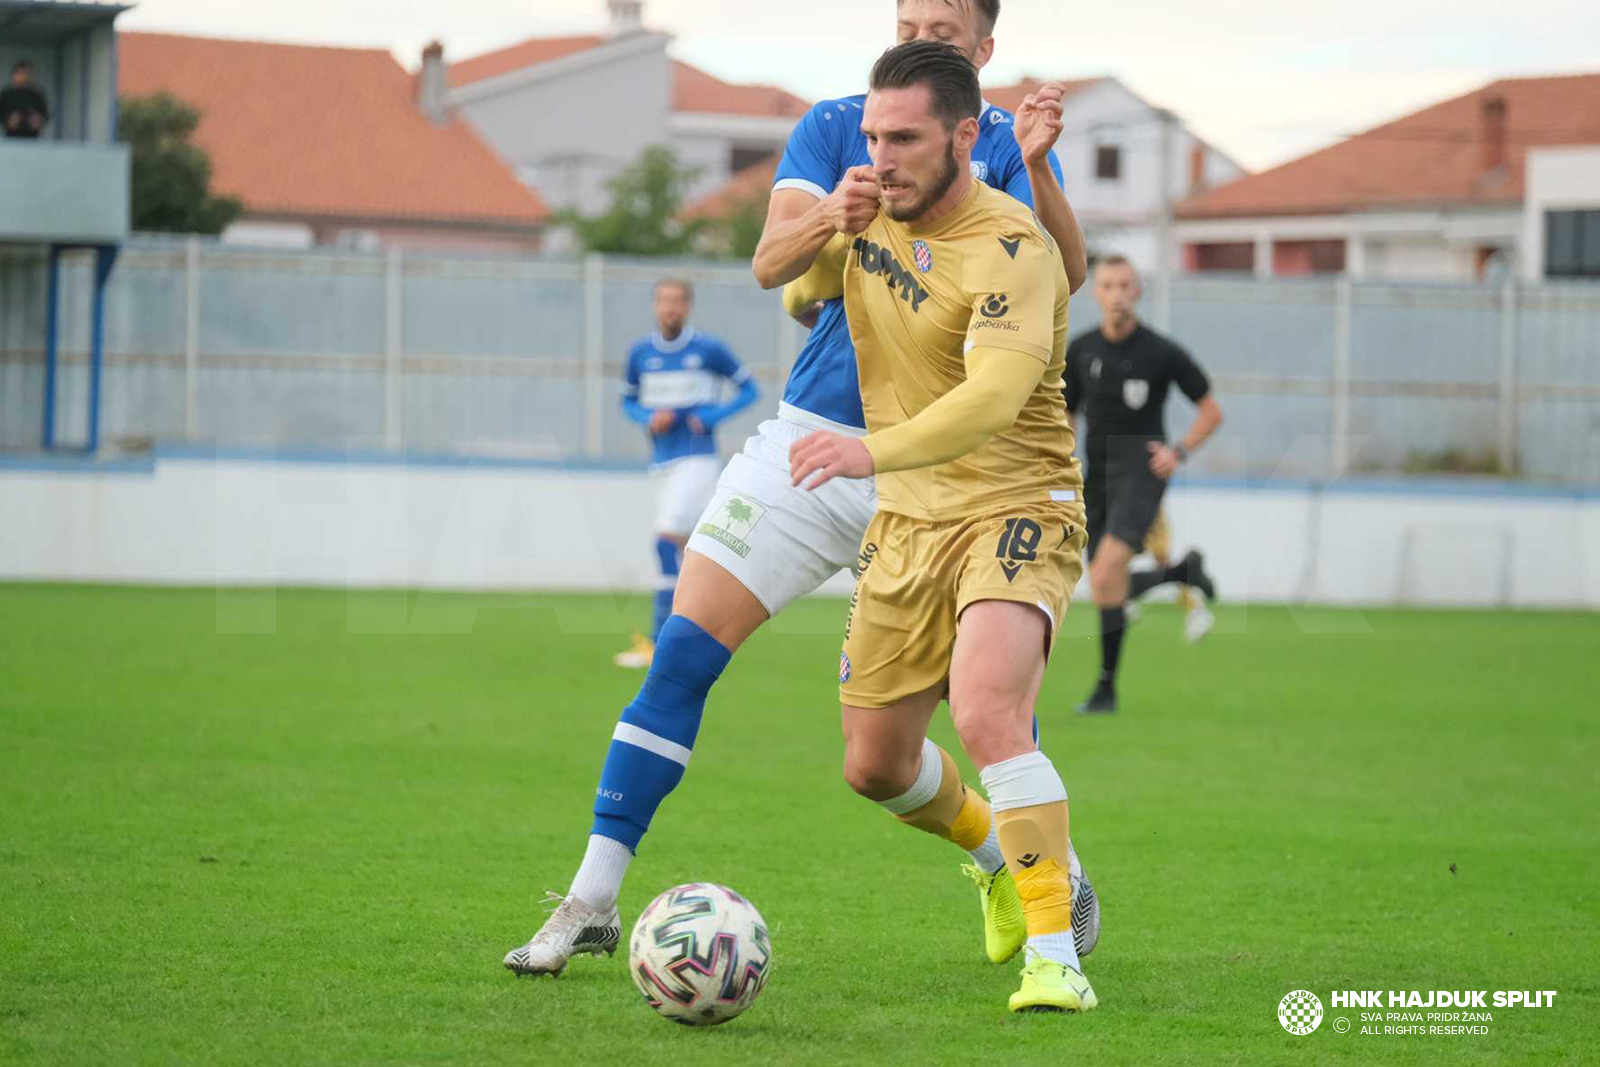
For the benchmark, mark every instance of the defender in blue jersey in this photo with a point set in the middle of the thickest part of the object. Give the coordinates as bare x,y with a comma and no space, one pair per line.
674,387
762,542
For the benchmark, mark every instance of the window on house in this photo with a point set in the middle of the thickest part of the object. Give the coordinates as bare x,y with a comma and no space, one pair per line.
1108,162
1572,244
740,158
1220,256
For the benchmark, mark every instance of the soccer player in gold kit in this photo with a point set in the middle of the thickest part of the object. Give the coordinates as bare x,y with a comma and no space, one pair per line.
957,304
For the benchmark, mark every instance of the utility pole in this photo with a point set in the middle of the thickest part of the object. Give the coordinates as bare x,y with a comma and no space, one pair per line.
1164,263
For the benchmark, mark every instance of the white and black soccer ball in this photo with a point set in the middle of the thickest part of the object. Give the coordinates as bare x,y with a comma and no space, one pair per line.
700,954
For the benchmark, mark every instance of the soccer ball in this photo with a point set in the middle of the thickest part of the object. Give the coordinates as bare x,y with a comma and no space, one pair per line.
700,954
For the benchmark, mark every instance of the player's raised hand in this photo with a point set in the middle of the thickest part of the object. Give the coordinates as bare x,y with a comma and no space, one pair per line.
854,204
823,456
1038,123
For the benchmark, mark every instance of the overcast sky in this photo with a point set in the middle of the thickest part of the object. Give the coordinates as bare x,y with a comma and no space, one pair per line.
1266,80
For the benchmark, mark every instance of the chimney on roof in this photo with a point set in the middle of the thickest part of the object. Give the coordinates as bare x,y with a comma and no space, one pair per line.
1494,132
627,16
1197,167
431,84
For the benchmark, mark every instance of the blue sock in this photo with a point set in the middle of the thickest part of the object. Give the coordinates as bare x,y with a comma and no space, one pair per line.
671,556
651,745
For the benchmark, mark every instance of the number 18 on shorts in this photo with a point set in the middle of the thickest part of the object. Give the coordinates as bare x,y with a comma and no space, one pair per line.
918,576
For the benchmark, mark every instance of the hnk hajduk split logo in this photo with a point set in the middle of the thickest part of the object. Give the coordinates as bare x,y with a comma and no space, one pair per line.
1300,1012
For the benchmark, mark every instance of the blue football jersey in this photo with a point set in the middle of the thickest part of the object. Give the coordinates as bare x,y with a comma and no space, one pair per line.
827,142
687,375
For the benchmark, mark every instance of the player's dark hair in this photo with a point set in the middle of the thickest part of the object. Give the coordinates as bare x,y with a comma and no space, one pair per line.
1113,261
683,285
22,64
949,76
989,9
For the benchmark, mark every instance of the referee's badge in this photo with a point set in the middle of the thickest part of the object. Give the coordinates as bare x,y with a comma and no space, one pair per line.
923,255
1135,392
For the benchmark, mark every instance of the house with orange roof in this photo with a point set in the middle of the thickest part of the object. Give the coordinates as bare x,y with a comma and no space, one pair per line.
1503,180
569,112
1125,163
329,146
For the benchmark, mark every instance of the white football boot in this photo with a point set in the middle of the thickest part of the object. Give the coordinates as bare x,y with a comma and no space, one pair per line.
574,928
1085,906
1199,622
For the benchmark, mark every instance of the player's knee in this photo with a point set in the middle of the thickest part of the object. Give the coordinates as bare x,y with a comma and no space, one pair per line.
993,729
875,775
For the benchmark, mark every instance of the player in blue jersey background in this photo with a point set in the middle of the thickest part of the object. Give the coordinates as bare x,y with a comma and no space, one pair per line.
762,542
675,386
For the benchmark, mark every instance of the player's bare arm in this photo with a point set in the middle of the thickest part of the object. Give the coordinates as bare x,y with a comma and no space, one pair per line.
1165,459
1038,126
799,225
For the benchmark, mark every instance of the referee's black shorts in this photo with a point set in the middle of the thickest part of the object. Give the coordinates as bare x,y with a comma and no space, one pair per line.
1122,496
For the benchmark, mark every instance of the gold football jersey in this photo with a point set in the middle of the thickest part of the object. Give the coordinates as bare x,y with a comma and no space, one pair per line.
918,298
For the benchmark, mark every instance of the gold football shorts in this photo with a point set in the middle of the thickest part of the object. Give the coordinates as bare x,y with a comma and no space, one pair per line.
1158,542
917,577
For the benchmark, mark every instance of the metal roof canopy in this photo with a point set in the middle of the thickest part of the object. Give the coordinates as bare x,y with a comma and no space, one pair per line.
38,22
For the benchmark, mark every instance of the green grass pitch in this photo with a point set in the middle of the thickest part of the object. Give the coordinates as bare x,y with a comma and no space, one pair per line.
313,845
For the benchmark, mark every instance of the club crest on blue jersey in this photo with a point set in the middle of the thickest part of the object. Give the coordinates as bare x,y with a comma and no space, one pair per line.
923,255
980,170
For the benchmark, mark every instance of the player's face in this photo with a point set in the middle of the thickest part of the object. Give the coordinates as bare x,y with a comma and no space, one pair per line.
913,155
1117,290
955,22
672,309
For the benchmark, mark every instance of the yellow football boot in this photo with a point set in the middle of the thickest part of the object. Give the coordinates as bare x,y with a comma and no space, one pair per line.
1051,986
1005,930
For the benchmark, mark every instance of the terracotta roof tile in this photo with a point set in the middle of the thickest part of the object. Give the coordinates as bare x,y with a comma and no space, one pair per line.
529,53
1435,156
692,88
695,90
753,183
331,132
1010,97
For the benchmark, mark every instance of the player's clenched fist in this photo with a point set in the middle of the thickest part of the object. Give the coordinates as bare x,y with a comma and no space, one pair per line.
828,456
854,204
1038,121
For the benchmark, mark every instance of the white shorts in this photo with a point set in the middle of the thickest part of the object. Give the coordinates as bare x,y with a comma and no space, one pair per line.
682,488
780,541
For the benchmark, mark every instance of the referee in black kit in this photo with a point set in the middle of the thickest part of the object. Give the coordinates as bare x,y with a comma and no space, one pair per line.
1119,375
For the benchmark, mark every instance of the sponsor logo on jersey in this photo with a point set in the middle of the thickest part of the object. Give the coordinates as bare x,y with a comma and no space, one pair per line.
692,361
878,260
923,255
996,324
996,307
1135,392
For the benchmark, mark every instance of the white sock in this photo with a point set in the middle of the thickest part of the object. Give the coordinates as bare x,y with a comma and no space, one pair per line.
924,789
988,856
599,877
1058,947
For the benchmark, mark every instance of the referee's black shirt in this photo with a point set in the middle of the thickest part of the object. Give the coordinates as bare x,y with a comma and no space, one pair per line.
1122,387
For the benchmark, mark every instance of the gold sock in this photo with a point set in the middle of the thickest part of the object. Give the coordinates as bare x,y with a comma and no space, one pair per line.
955,813
1034,841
